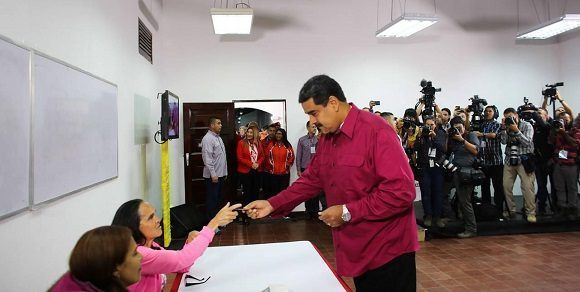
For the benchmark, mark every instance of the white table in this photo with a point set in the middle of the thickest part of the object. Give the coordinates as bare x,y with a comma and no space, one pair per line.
297,265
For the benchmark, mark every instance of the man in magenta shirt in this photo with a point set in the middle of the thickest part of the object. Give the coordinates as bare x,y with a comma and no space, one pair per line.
369,186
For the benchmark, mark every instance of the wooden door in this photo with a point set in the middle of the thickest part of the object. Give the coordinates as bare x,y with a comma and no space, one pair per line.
195,120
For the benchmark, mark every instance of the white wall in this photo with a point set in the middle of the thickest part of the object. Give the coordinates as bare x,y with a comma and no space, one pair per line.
100,37
569,56
472,50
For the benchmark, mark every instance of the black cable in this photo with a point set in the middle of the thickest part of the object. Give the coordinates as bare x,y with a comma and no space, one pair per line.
155,138
243,4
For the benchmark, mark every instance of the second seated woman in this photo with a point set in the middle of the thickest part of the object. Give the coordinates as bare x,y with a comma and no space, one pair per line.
140,217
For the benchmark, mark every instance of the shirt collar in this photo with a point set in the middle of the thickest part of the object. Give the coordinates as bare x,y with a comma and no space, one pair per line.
215,134
347,127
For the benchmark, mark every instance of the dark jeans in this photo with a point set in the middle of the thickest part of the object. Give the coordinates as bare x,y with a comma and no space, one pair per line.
250,187
493,174
431,184
447,210
213,196
542,175
397,275
278,183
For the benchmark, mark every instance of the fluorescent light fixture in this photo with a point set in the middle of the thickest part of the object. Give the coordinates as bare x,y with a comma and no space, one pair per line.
232,20
406,25
551,28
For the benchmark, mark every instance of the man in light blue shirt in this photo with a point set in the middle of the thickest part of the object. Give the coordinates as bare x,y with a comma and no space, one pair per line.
215,169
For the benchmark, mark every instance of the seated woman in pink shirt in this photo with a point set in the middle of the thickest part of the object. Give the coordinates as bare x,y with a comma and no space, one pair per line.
140,217
104,259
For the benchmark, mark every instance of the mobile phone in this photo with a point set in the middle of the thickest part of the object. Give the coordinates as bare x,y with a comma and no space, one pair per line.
377,102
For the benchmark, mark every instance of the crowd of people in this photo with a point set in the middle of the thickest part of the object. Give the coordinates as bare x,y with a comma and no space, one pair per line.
462,149
366,202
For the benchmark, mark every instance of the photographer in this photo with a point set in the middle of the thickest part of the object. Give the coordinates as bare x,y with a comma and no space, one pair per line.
566,140
429,149
543,152
564,108
491,156
408,129
463,146
517,135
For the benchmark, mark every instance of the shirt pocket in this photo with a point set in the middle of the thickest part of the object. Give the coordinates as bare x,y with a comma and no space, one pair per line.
351,160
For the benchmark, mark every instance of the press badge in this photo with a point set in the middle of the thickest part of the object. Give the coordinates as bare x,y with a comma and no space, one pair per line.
432,152
563,154
312,150
482,144
431,163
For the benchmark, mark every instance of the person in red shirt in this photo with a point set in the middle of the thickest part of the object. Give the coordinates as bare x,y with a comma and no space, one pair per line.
566,139
369,186
280,156
250,156
265,168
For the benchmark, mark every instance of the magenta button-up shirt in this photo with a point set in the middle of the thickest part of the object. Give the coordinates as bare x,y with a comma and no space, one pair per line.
363,166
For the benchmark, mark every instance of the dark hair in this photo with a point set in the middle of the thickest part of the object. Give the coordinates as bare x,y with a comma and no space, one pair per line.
446,110
385,114
410,112
320,88
212,120
284,138
307,123
456,120
97,254
128,215
425,118
510,110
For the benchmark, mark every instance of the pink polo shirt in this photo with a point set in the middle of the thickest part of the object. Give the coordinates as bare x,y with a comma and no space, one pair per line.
363,166
156,262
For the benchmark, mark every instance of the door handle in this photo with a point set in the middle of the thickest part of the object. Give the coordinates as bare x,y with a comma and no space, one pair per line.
186,159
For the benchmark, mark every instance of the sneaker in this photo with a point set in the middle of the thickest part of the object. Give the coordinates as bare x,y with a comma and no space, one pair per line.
466,234
428,221
509,215
531,218
440,223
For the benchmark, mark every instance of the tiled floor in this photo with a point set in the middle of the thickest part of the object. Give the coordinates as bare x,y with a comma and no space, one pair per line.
537,262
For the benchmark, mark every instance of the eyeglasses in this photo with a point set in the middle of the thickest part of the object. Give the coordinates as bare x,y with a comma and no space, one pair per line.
199,281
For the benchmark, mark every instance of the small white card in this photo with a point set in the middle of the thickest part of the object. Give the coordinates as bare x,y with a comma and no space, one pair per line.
312,150
563,154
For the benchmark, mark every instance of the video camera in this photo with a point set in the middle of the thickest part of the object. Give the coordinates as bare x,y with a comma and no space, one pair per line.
428,97
551,90
477,107
528,112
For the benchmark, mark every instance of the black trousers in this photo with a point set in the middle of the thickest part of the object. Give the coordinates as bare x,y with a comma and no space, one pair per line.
494,174
397,275
278,184
250,186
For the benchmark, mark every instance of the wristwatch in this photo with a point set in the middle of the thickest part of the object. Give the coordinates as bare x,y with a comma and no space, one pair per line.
345,214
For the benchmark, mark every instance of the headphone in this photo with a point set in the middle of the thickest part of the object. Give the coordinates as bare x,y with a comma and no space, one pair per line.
495,111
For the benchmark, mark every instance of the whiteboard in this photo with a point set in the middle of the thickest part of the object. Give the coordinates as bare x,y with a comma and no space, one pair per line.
74,129
15,108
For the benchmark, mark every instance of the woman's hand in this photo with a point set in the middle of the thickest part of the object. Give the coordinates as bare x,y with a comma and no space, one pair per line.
192,235
224,217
